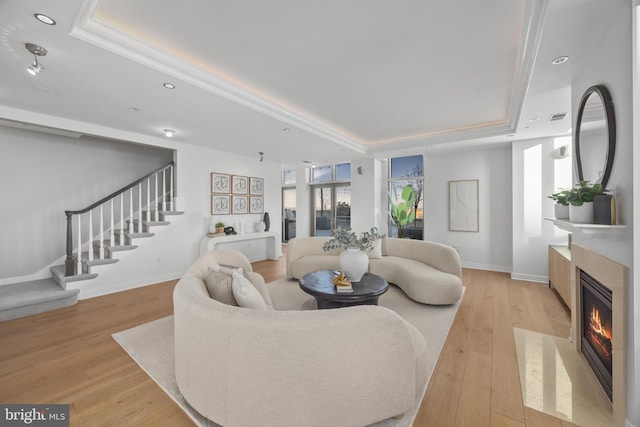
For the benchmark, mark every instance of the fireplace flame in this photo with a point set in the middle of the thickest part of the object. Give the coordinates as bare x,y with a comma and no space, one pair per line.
596,326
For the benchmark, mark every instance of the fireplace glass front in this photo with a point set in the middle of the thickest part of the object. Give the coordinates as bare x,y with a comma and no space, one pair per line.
597,329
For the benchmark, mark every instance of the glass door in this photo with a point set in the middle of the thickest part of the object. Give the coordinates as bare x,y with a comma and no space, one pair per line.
288,213
322,210
331,208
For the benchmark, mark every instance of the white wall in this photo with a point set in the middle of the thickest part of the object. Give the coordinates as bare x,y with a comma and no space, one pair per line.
43,175
366,206
611,65
536,175
490,248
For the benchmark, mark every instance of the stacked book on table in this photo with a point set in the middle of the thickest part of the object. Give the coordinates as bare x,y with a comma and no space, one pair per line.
342,283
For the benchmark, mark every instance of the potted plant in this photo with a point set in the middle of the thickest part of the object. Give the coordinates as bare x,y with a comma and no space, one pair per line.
219,227
404,212
353,261
580,200
561,207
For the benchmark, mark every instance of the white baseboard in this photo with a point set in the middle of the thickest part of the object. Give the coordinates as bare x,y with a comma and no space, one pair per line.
488,267
93,291
530,278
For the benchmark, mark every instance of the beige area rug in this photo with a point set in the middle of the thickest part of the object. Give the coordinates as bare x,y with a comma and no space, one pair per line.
151,345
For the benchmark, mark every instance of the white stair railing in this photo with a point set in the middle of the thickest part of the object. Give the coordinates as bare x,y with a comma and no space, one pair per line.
160,200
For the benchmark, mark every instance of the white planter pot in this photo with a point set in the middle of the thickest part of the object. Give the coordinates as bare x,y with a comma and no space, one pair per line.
561,211
581,214
353,263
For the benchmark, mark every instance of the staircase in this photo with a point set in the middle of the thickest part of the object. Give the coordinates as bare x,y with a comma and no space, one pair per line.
113,225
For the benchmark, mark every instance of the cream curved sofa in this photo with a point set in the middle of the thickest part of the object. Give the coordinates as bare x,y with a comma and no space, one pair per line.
428,272
247,367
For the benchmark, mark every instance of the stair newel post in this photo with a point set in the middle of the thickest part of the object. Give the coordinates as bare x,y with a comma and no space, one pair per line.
111,226
171,207
101,251
90,238
68,262
164,190
79,258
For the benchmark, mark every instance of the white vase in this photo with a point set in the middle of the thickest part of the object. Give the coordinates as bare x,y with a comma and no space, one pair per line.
561,211
581,214
260,226
353,263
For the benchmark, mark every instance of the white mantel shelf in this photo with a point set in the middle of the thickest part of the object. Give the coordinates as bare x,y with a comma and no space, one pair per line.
589,230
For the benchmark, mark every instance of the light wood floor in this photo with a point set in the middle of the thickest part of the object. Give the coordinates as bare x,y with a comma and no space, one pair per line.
68,356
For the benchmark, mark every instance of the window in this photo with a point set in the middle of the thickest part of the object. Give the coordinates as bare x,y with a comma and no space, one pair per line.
289,177
403,172
322,174
343,172
330,173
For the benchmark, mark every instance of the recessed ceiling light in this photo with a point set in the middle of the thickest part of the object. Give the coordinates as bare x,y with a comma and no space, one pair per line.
169,85
169,133
44,19
560,60
286,130
534,119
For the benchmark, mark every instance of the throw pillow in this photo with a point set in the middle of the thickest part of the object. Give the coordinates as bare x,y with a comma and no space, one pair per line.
245,293
229,269
219,286
376,251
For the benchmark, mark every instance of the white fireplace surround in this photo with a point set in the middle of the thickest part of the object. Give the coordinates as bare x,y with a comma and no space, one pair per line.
614,277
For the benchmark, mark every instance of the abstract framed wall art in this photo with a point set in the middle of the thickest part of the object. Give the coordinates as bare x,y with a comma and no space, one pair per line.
239,204
256,204
239,184
220,204
220,183
463,205
256,186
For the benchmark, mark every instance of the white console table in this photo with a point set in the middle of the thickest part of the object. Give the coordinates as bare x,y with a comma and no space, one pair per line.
256,246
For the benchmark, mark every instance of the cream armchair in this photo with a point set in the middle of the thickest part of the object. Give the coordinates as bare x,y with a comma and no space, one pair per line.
246,367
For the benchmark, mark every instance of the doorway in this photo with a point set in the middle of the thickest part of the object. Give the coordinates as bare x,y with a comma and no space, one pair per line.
331,207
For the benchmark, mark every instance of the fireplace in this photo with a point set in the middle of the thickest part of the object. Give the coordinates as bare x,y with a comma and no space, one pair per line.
596,327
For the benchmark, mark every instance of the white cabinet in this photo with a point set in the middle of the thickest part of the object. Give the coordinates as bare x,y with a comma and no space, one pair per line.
256,246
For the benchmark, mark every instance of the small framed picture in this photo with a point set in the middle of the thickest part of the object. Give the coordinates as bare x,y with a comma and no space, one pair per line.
239,204
256,204
220,205
220,183
256,186
239,184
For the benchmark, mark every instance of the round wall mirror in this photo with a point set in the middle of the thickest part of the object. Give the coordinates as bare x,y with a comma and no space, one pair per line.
595,136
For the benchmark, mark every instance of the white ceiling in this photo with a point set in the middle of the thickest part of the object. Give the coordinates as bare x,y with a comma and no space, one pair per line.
363,77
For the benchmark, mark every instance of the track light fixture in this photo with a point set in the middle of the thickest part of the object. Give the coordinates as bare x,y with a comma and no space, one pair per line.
35,68
261,155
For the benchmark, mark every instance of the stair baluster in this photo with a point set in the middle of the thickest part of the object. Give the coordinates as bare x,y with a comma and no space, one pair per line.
101,251
90,238
79,257
139,205
155,200
111,227
171,207
164,192
146,217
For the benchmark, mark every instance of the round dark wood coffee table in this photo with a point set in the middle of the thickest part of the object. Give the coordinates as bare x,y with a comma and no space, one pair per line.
365,292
